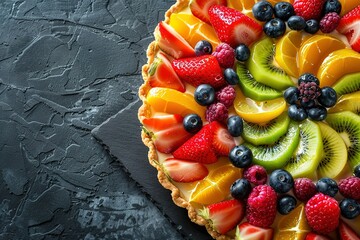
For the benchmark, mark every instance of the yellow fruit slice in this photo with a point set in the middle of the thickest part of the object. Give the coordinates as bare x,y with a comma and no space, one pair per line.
216,186
314,50
338,64
174,102
348,5
258,111
286,51
347,102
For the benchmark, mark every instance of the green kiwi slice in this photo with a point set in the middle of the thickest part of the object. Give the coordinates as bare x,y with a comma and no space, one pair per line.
268,133
347,124
262,68
308,153
276,155
348,84
334,157
252,88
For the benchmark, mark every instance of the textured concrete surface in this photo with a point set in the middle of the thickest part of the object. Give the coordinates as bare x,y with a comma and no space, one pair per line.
66,66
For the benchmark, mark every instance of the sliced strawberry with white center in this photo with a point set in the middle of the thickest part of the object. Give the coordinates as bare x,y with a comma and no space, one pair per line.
223,142
350,26
247,231
314,236
347,233
224,216
200,8
184,171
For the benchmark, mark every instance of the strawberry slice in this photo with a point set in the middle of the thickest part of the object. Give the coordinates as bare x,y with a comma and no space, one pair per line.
200,70
224,216
347,233
233,27
247,231
314,236
184,171
223,142
167,131
350,26
200,8
172,42
162,74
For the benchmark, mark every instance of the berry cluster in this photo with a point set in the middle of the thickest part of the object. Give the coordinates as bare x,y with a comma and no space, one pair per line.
308,99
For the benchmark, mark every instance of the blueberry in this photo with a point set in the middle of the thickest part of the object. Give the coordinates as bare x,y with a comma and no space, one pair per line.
204,94
296,23
308,77
235,125
284,10
350,208
203,47
317,113
231,76
328,97
241,156
312,26
291,95
263,11
275,28
357,171
332,6
192,123
281,181
297,113
242,53
327,186
286,204
308,104
240,189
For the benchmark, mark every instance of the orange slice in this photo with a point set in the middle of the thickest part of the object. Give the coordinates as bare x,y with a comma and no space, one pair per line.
216,186
347,102
314,50
245,6
338,64
258,111
174,102
348,5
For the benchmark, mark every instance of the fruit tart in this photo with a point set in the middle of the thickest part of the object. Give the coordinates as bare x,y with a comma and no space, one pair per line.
251,113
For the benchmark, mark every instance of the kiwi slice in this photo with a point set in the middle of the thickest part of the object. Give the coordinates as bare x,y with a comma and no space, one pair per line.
268,133
276,155
262,68
334,157
348,84
347,125
252,88
309,151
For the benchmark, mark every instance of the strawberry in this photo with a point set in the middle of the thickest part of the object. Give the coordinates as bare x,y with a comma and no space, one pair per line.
224,216
247,231
200,8
314,236
172,42
200,70
346,233
309,9
162,74
167,131
184,171
350,26
223,142
233,27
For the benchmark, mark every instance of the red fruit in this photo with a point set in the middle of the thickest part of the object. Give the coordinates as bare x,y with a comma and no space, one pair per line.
304,189
226,96
223,142
256,175
184,171
225,55
247,231
172,42
233,27
329,22
261,206
167,131
314,236
224,216
216,112
346,233
162,74
309,9
200,70
350,26
350,187
322,213
200,8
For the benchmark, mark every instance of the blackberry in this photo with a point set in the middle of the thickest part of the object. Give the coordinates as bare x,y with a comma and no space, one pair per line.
309,91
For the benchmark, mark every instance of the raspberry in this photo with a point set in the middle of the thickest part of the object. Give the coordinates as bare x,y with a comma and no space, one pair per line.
308,9
226,96
329,22
350,187
256,175
261,206
225,55
304,189
309,91
322,213
217,112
